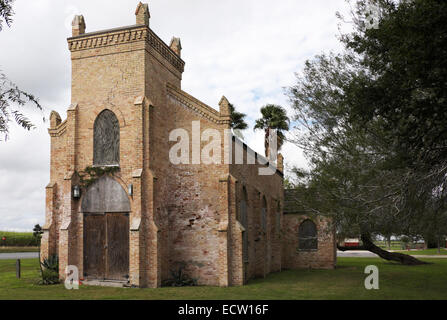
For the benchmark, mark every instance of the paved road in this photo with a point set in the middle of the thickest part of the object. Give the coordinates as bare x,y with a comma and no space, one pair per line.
22,255
358,254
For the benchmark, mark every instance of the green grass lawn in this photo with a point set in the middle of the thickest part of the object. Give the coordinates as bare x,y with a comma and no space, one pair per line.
18,249
428,252
346,282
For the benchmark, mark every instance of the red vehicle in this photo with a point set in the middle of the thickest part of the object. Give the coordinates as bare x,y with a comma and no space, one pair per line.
352,242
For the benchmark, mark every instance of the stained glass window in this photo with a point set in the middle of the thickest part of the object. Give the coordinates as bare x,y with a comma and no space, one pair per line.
106,144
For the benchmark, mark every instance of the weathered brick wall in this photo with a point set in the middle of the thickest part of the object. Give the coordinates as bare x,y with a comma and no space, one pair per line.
54,195
195,220
158,72
192,197
263,254
323,258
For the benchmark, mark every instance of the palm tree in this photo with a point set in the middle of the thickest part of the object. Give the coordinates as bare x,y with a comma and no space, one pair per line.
237,119
273,117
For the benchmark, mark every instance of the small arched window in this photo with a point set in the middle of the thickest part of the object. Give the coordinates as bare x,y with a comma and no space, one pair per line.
307,236
106,140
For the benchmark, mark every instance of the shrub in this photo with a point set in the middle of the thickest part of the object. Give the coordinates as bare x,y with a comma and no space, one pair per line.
179,279
50,270
51,263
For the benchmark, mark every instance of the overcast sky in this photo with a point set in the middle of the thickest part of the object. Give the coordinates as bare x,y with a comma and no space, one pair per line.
247,50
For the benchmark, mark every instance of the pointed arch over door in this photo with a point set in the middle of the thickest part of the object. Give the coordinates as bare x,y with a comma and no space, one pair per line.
106,140
105,196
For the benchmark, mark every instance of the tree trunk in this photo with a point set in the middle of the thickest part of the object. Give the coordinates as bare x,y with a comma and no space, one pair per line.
368,245
388,240
267,142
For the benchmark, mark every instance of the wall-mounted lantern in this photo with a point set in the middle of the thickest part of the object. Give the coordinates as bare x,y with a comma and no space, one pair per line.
76,192
130,190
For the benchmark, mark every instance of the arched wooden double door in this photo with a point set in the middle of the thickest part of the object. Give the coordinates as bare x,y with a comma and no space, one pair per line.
106,210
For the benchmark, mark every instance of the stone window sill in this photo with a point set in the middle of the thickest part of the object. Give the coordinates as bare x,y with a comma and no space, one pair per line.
106,166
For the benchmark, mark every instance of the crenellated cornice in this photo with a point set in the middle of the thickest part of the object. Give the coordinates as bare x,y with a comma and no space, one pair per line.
125,35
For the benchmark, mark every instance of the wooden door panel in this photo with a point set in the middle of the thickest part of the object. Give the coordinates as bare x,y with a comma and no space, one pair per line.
94,246
117,246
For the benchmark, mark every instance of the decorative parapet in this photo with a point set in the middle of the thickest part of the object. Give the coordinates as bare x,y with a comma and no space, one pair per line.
125,35
163,49
191,103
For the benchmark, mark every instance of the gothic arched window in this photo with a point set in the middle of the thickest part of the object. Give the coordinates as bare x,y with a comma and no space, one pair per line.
106,140
307,236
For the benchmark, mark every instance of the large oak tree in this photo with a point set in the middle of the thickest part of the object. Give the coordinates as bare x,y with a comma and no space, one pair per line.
372,121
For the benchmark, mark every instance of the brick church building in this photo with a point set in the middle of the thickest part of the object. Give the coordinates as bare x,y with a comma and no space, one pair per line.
120,210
